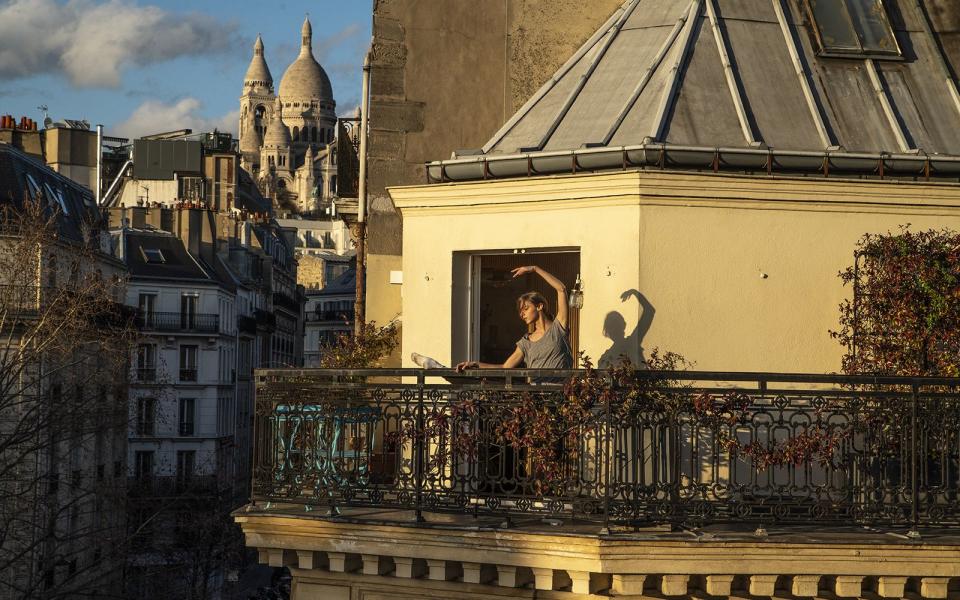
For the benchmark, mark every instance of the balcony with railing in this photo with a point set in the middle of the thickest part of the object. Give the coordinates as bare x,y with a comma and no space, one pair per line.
286,301
758,449
265,319
650,484
178,322
330,316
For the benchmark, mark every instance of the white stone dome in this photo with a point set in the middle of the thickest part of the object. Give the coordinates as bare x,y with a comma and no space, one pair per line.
305,78
277,133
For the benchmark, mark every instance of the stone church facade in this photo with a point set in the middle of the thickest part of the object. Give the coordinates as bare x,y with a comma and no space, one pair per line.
286,135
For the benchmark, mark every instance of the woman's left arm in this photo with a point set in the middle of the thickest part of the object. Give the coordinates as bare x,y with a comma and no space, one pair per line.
555,284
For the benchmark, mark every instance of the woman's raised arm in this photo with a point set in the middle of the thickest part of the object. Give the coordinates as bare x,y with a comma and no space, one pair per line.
555,284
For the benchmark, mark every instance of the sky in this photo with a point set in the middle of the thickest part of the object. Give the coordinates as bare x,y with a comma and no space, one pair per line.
141,67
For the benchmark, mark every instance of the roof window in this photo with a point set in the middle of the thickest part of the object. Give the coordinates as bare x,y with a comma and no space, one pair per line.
153,255
853,27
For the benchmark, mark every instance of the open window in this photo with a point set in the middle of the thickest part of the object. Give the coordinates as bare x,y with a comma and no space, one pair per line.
486,325
853,28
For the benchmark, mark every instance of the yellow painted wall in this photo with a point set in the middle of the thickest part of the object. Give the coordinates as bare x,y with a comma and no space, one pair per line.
697,246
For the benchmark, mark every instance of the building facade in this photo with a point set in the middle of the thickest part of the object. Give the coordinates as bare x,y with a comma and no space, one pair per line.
329,314
700,172
62,438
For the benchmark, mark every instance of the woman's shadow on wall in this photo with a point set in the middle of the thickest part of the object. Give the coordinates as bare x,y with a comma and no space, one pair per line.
615,329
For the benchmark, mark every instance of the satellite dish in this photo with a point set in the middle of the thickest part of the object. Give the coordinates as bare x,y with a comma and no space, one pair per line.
47,122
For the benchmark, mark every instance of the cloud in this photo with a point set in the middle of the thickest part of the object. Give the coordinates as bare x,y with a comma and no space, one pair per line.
154,116
92,41
326,44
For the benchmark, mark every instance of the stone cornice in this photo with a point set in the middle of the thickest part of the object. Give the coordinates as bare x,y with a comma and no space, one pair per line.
638,187
607,554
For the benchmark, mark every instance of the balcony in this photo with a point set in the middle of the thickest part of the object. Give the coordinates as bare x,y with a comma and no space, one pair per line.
265,319
287,302
178,322
188,374
743,449
330,316
683,485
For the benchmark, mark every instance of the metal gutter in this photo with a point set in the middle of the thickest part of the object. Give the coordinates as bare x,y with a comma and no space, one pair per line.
647,76
545,88
666,101
730,75
611,35
802,75
824,163
887,105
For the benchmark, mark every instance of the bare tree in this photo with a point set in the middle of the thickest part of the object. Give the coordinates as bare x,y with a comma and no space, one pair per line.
65,342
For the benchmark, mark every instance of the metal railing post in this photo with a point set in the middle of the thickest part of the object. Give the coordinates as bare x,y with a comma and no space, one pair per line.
419,440
607,440
914,532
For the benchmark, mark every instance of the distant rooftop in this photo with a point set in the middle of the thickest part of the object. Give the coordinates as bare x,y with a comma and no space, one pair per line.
763,79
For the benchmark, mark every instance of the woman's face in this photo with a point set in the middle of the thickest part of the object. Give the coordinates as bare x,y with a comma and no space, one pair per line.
529,313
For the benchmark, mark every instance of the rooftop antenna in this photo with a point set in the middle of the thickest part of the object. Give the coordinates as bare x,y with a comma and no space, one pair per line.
47,121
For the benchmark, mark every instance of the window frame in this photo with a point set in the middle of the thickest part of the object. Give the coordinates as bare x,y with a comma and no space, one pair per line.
833,52
187,417
146,424
189,369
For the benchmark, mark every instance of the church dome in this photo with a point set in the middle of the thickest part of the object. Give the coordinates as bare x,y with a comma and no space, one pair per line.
277,133
258,73
305,78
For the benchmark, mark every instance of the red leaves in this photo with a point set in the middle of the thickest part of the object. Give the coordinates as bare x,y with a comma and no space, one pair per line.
904,318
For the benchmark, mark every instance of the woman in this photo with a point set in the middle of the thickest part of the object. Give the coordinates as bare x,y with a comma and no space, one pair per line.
545,345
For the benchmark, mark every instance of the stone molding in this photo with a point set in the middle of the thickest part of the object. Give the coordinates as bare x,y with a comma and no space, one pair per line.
604,565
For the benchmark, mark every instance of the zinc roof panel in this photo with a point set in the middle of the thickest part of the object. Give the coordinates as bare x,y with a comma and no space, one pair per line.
704,114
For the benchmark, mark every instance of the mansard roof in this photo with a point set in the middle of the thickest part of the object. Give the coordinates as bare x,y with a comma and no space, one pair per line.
748,76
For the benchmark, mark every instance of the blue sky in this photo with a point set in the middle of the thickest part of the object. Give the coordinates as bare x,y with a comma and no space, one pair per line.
138,66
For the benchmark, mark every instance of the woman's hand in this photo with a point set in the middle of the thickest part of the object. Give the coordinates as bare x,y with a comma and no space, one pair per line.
522,271
470,364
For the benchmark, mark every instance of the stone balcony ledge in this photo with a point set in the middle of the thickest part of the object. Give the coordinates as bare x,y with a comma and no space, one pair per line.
382,553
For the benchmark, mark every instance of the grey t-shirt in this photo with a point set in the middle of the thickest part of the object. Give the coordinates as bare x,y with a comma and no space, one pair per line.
552,351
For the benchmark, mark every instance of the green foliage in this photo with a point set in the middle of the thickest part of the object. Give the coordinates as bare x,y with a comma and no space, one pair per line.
363,351
904,318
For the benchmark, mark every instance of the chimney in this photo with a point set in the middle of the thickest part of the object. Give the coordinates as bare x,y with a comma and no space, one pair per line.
196,228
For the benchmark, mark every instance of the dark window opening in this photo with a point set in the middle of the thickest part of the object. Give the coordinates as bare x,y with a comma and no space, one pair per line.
497,326
853,27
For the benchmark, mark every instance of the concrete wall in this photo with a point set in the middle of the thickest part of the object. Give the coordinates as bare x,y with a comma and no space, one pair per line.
740,272
445,78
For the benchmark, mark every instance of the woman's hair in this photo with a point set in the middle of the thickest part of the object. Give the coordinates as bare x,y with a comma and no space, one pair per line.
536,299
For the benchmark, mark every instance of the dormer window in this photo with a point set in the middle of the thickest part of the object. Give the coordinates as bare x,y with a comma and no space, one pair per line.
853,28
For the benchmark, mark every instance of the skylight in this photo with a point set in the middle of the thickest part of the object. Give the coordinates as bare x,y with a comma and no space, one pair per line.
153,255
853,27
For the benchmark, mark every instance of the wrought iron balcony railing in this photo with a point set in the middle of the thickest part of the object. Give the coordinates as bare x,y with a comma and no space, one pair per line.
335,316
188,374
285,301
265,319
688,448
180,322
